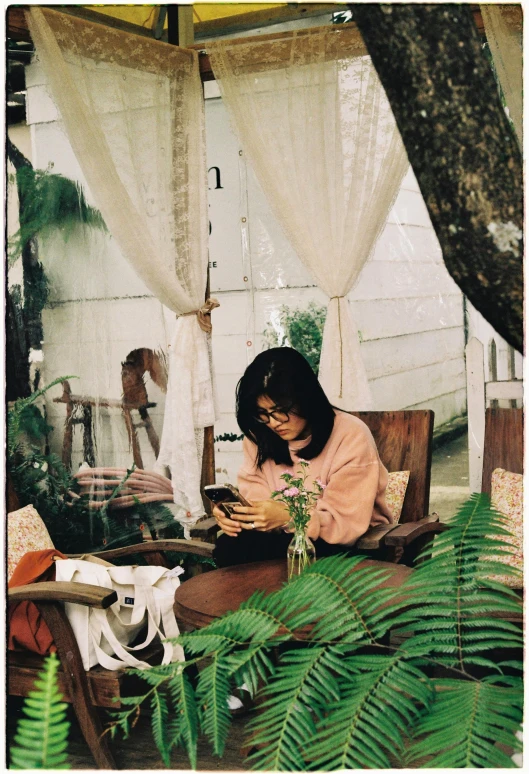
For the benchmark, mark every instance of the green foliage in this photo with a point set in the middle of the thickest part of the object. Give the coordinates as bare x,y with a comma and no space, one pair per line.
49,201
41,738
351,674
302,330
228,437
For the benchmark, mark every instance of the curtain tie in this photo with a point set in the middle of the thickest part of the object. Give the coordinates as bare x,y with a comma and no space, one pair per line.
203,314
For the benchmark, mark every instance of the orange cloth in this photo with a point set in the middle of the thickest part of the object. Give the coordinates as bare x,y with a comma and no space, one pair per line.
26,626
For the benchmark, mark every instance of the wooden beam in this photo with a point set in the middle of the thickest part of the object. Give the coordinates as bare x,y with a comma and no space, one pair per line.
229,25
186,31
17,28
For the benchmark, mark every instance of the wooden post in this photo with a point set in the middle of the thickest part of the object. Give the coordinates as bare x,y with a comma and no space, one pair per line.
181,33
493,368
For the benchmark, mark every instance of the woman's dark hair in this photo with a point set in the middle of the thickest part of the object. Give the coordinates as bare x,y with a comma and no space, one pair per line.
285,377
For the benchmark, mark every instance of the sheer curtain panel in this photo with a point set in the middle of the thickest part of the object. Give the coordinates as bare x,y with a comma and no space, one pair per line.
504,31
132,109
314,120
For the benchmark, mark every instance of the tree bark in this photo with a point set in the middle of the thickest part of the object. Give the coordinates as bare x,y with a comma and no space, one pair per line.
461,147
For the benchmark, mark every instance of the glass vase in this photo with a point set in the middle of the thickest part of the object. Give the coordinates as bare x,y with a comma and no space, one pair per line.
300,554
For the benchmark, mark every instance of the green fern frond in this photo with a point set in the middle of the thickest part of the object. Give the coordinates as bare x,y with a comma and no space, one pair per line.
346,605
18,415
448,596
298,693
464,724
213,690
251,665
159,721
185,721
369,723
42,736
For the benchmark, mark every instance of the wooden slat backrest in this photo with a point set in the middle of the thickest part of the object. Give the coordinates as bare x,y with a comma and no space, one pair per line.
503,444
404,442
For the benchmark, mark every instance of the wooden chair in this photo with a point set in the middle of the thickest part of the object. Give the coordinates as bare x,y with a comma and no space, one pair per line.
98,687
404,442
503,443
79,409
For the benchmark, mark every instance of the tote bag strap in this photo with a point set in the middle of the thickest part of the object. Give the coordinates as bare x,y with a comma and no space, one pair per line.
100,626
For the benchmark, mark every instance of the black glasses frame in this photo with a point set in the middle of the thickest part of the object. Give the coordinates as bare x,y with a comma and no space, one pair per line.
280,414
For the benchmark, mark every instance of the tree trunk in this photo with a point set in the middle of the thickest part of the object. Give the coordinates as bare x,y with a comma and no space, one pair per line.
460,144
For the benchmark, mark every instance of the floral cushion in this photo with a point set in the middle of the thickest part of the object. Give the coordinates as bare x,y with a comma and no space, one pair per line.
25,532
396,491
507,497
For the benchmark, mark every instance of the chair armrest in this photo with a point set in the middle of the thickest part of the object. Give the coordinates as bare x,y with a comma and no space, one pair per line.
375,537
206,529
405,534
196,547
61,591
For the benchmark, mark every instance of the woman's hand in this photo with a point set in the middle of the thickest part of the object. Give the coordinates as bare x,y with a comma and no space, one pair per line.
228,526
263,515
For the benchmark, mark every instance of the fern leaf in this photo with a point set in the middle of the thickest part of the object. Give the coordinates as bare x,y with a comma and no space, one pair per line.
159,721
369,722
42,736
446,596
464,724
184,724
302,684
213,690
250,666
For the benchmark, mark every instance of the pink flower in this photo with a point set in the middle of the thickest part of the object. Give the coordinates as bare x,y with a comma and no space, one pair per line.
321,484
281,487
292,492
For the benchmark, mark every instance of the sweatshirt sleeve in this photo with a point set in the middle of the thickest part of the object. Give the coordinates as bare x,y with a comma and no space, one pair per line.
356,480
251,481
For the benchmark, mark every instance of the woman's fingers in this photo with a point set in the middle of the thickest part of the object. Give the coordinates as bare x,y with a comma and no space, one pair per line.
228,526
248,510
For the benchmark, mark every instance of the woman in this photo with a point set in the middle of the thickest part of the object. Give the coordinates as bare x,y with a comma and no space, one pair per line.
285,416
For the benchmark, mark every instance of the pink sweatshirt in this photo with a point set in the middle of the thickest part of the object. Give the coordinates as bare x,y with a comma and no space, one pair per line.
350,468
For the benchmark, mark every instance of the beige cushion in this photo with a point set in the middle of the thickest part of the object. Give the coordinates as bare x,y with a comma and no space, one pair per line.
507,497
25,532
396,491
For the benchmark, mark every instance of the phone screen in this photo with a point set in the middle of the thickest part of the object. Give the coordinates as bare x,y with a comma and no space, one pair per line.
219,494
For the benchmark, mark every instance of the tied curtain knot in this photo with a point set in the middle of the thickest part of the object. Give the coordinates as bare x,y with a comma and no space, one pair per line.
204,314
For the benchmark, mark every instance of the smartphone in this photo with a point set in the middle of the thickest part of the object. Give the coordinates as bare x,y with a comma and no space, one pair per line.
225,496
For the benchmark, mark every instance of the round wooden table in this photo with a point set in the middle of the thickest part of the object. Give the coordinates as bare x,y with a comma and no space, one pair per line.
208,596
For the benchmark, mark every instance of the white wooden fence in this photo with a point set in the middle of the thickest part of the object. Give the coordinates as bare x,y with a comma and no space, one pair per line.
486,387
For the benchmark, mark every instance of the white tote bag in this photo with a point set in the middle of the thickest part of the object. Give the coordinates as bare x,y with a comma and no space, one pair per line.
145,602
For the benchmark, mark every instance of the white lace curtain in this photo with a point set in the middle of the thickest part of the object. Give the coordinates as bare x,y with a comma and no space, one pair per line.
132,109
314,120
503,28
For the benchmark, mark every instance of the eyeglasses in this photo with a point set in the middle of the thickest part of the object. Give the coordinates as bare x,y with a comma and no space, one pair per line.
280,414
